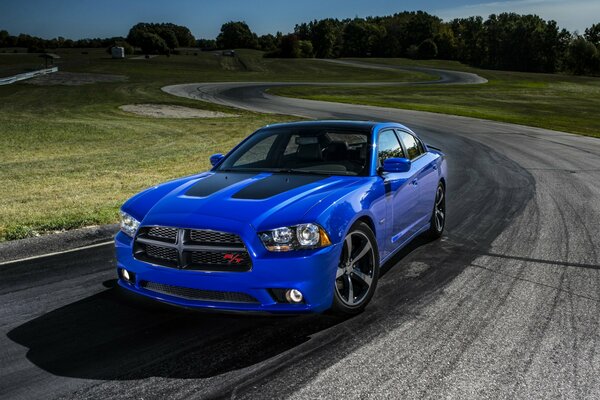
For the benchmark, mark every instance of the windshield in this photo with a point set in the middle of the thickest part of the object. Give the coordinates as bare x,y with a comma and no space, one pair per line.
302,150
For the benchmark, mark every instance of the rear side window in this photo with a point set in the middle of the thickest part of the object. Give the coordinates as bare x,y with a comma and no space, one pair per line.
412,145
388,146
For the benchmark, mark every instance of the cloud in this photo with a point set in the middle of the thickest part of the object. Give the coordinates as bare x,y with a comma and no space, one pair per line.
572,15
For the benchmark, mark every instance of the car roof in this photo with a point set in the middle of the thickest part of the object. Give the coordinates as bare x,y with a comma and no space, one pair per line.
339,124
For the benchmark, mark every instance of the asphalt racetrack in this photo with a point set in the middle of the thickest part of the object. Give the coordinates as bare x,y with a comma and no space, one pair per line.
506,305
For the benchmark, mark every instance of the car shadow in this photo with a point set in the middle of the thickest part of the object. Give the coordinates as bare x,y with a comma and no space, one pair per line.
114,335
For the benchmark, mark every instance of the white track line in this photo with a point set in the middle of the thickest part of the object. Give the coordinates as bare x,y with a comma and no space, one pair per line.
91,246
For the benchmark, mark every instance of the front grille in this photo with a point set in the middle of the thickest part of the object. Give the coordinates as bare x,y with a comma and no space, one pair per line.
198,294
163,253
162,232
208,236
219,258
193,249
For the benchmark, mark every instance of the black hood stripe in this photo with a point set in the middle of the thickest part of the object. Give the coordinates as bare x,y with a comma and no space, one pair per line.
274,185
219,181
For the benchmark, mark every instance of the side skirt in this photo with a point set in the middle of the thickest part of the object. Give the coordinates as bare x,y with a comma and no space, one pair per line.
407,241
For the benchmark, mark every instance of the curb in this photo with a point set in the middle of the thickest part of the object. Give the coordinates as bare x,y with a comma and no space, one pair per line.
56,242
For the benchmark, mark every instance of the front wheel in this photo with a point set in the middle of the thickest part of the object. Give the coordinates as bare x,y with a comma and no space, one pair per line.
358,271
438,216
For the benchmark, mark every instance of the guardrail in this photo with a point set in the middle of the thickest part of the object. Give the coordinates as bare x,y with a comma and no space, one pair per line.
27,75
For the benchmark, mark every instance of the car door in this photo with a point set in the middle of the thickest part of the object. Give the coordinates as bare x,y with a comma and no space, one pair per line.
400,191
424,166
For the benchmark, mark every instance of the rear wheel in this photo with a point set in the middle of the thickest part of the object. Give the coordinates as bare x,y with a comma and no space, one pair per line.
357,272
438,216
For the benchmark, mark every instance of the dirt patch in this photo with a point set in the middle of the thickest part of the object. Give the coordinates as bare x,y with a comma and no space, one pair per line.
168,111
74,79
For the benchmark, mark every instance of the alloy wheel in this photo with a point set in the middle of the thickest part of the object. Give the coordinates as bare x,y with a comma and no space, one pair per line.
440,209
355,272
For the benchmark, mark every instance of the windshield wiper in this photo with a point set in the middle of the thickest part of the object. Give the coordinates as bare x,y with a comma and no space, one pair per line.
240,170
300,171
282,171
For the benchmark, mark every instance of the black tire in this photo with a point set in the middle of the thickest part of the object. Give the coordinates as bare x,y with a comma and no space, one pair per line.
438,215
358,271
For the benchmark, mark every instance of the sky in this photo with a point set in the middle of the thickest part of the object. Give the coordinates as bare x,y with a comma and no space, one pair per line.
76,19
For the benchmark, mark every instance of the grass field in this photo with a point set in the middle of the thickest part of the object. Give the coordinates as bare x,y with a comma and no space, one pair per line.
69,157
559,102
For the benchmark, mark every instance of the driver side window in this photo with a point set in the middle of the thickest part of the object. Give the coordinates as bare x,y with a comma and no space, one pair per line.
388,147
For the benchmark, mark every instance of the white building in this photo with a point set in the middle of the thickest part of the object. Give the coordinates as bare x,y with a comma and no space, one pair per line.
118,52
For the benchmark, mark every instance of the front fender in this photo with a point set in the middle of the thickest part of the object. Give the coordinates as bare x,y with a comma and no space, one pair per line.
363,201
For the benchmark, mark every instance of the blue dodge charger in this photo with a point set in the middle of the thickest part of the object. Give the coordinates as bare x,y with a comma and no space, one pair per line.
297,218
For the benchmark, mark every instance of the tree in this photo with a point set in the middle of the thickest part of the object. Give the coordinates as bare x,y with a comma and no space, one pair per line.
151,43
469,36
412,51
520,42
582,57
236,35
4,38
427,49
420,26
306,49
173,35
324,36
183,34
361,38
289,47
170,39
206,44
267,42
446,43
592,34
303,31
552,47
564,40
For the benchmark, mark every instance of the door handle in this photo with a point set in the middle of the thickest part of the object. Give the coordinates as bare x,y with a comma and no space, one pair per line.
415,182
434,167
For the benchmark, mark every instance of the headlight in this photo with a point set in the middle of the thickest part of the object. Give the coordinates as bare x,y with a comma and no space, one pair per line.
129,225
298,237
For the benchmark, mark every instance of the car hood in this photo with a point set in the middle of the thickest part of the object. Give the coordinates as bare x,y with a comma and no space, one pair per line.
263,200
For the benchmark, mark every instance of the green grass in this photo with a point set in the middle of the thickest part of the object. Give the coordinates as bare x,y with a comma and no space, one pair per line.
558,102
16,63
69,157
208,67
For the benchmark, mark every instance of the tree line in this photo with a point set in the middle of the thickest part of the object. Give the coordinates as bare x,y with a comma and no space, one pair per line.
155,38
505,41
36,44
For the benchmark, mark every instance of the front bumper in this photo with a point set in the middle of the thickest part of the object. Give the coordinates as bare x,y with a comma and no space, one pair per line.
310,271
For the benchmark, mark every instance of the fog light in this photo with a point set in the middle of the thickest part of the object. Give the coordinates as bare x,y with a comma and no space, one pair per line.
293,296
127,276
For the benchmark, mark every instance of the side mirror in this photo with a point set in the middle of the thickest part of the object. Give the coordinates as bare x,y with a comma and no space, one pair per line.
396,165
216,158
